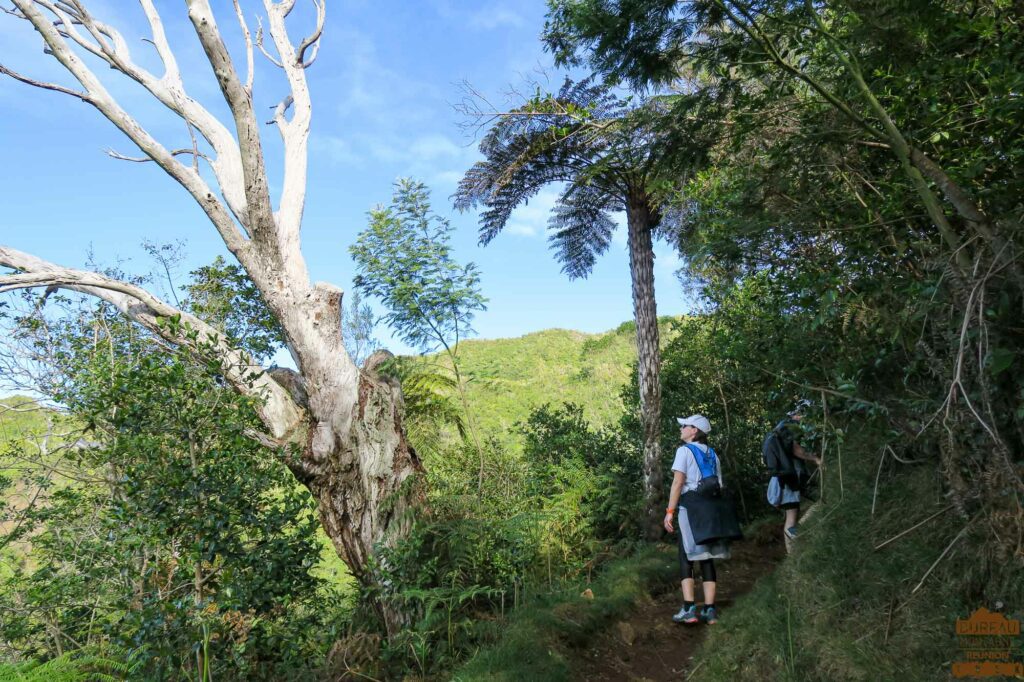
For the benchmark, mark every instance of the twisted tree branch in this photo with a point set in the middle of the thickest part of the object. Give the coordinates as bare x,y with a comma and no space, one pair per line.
279,412
170,95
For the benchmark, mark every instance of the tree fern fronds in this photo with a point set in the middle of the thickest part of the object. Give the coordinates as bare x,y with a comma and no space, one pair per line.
581,229
84,665
431,406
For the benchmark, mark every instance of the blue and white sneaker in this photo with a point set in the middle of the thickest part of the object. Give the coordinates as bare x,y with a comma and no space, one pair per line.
792,532
709,615
687,615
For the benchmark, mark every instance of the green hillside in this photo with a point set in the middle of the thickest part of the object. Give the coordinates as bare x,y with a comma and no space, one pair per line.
508,378
20,417
23,428
24,425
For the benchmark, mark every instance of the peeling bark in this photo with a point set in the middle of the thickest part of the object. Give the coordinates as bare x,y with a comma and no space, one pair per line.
366,487
340,428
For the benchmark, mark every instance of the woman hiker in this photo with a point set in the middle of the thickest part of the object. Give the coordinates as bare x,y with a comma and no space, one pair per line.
707,521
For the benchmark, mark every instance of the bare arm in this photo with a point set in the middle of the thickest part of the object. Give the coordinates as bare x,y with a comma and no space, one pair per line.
678,481
798,451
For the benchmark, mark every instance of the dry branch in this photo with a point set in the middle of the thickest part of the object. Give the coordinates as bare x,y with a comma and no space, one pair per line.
114,154
110,47
916,525
313,39
43,84
942,556
279,412
249,62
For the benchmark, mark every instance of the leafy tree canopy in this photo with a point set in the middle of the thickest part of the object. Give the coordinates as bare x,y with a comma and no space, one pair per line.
404,259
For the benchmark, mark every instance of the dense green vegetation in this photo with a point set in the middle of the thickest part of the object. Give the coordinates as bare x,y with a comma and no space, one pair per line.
846,199
22,418
29,433
532,647
546,465
842,609
856,233
144,531
508,378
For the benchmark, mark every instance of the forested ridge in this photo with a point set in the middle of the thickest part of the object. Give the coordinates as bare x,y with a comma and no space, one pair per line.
842,182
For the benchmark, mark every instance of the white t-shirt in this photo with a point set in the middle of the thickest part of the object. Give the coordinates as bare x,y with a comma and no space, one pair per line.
686,463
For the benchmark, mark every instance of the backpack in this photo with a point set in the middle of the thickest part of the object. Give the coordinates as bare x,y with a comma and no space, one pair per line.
710,512
709,485
777,452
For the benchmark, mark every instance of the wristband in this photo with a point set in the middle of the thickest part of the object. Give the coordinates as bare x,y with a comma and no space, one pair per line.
670,510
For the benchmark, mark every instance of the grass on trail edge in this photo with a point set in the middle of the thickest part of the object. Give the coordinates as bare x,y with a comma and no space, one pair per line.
533,639
838,609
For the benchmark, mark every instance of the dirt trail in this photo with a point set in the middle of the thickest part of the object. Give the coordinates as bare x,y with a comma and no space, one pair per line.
648,646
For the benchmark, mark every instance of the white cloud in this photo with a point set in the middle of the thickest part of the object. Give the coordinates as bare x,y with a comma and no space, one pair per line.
521,229
337,149
371,93
666,261
421,155
531,219
488,17
385,116
495,16
434,146
620,237
387,148
382,147
447,178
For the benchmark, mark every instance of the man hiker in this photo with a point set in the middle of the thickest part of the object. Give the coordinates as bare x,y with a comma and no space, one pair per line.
785,459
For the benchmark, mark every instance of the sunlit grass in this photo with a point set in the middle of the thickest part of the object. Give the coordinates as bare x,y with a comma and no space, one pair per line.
508,378
838,609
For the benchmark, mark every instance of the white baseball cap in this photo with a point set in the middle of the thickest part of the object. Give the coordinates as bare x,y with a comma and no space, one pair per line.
698,420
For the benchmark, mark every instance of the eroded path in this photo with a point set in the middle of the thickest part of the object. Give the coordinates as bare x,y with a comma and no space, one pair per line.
648,646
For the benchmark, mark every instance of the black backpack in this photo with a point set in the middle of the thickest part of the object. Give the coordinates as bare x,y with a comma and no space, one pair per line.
777,451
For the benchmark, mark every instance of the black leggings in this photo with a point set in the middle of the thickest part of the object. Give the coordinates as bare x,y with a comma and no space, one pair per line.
707,569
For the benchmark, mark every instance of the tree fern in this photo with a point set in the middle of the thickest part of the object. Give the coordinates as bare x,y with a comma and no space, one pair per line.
609,155
430,405
85,665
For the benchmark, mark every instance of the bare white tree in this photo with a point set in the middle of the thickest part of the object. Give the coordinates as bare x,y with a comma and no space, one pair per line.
345,431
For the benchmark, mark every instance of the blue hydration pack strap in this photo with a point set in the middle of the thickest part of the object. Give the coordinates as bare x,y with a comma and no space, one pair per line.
706,463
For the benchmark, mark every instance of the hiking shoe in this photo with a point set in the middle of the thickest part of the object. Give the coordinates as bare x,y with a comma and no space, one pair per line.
687,615
791,532
709,615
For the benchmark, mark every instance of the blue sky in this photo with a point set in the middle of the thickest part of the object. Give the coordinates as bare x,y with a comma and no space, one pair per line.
383,90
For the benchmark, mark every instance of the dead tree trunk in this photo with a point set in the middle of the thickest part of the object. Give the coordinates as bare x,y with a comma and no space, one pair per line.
342,435
355,458
363,480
